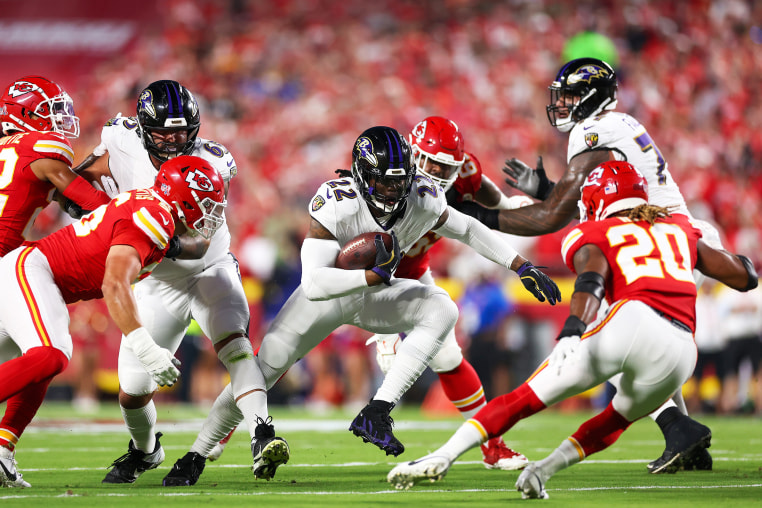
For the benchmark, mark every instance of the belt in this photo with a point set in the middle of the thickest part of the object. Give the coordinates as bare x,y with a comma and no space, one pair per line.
674,322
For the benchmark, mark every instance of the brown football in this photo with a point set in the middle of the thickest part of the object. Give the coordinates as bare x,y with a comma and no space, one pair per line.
360,252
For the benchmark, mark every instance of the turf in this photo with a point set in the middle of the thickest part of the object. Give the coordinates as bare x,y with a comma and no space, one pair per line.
65,457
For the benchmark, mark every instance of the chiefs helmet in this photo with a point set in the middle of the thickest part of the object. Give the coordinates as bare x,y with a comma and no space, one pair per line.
166,106
383,170
195,191
33,103
612,187
583,88
440,140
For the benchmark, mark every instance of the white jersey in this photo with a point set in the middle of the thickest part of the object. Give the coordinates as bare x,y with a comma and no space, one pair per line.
339,207
629,140
131,168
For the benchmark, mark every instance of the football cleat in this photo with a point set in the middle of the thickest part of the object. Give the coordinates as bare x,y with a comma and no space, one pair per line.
374,425
430,467
699,461
685,446
268,451
9,475
531,482
497,455
128,467
186,471
216,452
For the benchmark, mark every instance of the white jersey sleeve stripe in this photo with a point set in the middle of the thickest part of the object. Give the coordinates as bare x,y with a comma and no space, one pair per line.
571,239
50,146
151,227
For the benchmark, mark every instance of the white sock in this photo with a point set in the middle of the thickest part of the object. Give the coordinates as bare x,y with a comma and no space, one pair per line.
141,424
670,403
413,357
466,437
223,416
567,454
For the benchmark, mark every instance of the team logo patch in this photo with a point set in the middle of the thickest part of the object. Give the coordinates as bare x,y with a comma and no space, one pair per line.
419,130
591,139
587,73
317,203
197,180
365,148
20,88
145,103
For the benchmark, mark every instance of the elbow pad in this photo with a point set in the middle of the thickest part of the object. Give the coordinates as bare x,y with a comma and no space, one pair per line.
590,282
751,271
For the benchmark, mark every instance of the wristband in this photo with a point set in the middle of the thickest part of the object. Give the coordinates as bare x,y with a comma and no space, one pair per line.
572,326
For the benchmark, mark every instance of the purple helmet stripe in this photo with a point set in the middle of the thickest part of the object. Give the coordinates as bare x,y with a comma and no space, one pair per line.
395,150
174,100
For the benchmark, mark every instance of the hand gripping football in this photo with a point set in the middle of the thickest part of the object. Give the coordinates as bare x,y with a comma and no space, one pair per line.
360,252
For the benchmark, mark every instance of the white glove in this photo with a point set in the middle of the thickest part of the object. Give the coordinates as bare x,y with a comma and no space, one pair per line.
159,362
564,353
386,349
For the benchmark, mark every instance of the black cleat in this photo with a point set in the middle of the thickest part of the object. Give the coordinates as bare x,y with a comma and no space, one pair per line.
186,470
128,467
374,425
268,450
701,460
687,441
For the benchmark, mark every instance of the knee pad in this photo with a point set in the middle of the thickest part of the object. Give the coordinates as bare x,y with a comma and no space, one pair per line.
238,358
438,311
448,358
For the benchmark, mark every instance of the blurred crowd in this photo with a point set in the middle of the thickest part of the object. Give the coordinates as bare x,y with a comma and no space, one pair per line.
287,86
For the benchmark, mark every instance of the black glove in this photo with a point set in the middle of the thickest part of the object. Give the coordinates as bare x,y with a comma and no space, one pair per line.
74,210
484,215
753,277
174,248
387,262
539,284
532,182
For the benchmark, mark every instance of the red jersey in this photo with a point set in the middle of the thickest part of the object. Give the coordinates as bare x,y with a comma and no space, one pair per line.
416,260
652,264
22,194
77,253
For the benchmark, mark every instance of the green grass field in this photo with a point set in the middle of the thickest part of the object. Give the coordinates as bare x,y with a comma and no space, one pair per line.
65,457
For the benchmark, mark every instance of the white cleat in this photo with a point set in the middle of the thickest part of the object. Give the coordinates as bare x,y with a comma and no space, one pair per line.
9,475
407,474
531,482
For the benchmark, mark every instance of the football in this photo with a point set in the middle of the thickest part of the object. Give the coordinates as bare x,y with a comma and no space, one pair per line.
360,252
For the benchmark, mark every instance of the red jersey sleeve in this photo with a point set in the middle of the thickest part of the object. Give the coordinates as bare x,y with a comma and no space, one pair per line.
469,178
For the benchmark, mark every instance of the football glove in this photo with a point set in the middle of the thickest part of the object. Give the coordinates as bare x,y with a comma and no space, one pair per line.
564,353
539,284
386,349
174,249
387,261
74,210
532,182
159,362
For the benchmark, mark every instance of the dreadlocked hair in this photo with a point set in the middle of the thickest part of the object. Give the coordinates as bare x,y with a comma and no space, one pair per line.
648,213
344,173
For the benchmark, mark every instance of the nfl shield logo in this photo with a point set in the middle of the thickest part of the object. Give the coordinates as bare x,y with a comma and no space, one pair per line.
591,139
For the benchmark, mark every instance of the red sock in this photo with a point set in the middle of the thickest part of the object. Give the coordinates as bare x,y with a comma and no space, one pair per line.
502,413
463,387
20,410
601,431
35,366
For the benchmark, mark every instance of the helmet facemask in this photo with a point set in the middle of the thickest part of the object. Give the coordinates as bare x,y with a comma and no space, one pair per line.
448,168
211,219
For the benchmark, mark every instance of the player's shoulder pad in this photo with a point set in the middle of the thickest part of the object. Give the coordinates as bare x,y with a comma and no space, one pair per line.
51,145
217,155
153,217
427,195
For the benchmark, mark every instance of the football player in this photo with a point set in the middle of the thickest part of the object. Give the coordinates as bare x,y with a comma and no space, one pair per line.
645,336
439,153
583,97
382,193
36,119
199,280
100,256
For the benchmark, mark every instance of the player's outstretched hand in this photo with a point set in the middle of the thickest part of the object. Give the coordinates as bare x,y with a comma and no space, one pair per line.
532,182
387,261
563,353
159,362
539,284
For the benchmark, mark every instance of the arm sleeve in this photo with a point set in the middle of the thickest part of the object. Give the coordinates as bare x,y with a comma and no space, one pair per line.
320,280
478,236
85,195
